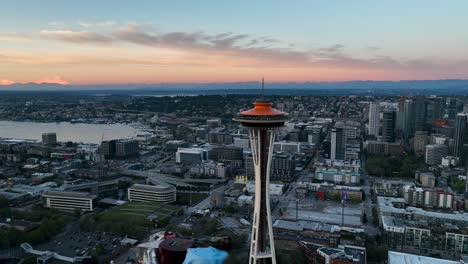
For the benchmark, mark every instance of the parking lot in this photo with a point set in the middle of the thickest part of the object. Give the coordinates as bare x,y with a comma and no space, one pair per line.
74,242
325,212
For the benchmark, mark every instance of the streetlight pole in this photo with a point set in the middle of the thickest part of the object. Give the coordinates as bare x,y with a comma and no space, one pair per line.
342,213
297,208
343,199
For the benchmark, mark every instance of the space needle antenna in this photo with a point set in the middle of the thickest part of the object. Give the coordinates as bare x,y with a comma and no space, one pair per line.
263,89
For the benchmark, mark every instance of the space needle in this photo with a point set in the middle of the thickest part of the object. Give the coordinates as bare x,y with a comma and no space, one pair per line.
262,121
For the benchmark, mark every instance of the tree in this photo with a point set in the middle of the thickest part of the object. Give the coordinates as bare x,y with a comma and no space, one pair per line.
210,227
4,202
235,259
364,218
123,185
77,212
354,200
391,166
458,185
377,254
375,216
30,259
290,257
230,209
239,241
99,250
336,197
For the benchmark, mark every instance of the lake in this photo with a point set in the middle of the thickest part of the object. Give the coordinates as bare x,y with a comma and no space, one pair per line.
77,132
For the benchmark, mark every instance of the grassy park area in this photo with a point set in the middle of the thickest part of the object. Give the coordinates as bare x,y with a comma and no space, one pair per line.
133,218
402,167
45,224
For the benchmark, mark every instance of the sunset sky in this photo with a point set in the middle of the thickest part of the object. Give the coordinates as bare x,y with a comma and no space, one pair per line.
114,42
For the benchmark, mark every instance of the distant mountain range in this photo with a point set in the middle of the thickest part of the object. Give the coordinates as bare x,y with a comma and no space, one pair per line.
416,87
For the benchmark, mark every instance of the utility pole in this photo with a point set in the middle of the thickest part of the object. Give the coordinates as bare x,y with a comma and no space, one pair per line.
342,213
343,199
297,208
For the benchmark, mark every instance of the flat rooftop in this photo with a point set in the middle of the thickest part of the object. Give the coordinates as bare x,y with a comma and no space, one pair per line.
325,212
386,206
404,258
330,251
65,194
305,225
153,188
111,201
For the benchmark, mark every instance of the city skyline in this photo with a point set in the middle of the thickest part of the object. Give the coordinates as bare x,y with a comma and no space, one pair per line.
260,132
90,43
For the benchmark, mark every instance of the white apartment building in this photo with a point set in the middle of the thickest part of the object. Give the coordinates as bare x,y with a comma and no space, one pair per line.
151,193
69,200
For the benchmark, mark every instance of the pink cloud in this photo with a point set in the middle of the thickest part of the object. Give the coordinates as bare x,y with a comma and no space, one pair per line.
53,79
6,82
50,80
76,36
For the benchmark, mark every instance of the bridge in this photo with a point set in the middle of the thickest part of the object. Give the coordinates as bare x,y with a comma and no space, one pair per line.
169,179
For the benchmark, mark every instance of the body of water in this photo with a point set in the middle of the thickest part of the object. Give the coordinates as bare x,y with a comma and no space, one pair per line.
86,133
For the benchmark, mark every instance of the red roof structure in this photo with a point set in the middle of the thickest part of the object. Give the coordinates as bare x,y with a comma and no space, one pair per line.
262,109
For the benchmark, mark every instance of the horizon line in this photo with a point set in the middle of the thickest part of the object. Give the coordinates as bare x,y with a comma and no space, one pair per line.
227,82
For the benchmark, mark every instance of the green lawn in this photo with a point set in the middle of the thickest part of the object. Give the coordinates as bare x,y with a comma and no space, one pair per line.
143,209
130,218
50,223
403,167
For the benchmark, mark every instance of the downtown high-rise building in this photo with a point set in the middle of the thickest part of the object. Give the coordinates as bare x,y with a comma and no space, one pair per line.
408,119
374,119
262,121
49,138
337,150
451,108
459,134
419,114
420,141
435,153
388,126
400,114
435,110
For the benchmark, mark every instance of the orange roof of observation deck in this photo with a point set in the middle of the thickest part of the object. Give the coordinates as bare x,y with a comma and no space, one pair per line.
262,109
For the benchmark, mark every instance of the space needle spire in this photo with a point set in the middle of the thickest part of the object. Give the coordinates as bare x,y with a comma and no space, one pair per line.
263,88
262,121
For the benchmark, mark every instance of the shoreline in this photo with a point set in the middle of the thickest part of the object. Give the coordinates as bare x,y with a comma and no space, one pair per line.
67,131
